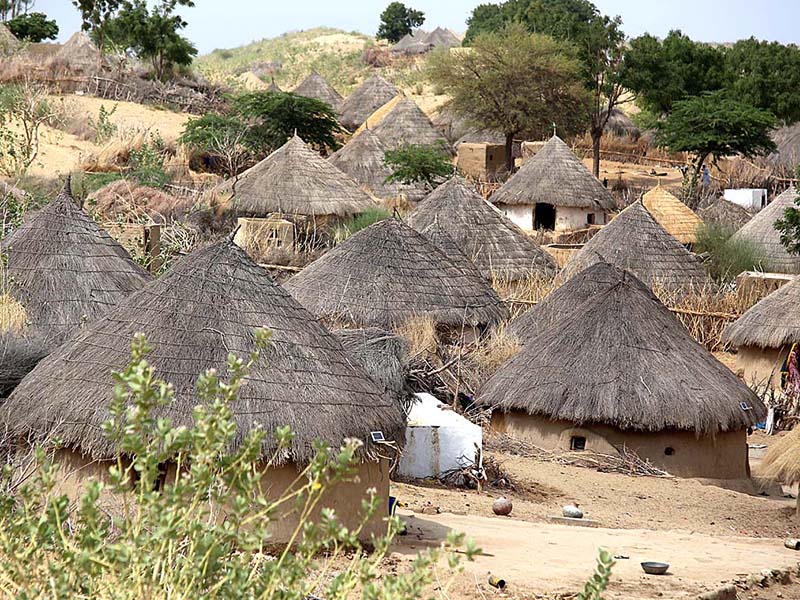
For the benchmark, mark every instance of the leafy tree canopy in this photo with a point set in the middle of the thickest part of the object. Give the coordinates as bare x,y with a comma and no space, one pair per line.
419,164
397,21
789,226
515,82
95,16
33,27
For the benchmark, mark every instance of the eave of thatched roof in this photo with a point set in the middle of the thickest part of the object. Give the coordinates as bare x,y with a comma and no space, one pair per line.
205,307
490,240
634,241
315,86
65,270
365,100
725,214
362,158
406,124
555,176
622,359
387,274
773,322
674,216
295,180
760,230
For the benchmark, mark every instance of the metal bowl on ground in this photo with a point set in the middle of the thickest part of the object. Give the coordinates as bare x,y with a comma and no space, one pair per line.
655,568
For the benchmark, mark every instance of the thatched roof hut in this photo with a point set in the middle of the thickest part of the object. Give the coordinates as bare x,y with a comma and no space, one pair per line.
388,274
362,158
406,124
315,86
384,357
365,100
623,362
585,285
442,38
80,54
295,180
634,241
774,322
674,216
205,307
555,176
413,43
496,246
65,270
8,42
762,233
450,248
622,125
725,214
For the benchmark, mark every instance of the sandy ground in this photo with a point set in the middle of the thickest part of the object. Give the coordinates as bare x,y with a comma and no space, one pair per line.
548,560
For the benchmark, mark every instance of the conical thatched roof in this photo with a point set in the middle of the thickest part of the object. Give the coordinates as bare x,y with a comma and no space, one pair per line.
295,180
410,39
80,53
362,159
773,322
621,124
762,233
622,359
365,100
442,38
8,43
496,245
205,307
634,241
725,214
782,461
65,270
315,86
674,216
406,124
585,285
450,248
555,176
387,274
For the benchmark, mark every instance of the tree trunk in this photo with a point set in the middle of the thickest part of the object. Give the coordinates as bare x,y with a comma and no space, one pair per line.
510,153
692,194
597,134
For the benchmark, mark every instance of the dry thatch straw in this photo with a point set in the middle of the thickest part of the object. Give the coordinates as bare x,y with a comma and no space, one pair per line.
420,337
65,270
378,115
80,54
129,201
384,357
782,461
623,360
13,317
555,176
294,180
115,155
388,273
442,38
622,125
772,323
762,233
439,238
8,43
205,307
362,158
314,86
365,100
673,215
19,354
252,82
725,214
634,241
490,240
405,124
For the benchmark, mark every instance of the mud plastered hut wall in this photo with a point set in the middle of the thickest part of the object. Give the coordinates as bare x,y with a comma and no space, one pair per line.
207,306
621,370
554,191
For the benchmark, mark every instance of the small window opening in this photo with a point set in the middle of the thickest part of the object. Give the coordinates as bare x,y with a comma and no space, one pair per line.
669,451
577,442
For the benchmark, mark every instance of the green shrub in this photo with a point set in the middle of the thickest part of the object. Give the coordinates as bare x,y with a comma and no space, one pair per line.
727,256
594,588
360,221
412,164
171,542
146,164
104,128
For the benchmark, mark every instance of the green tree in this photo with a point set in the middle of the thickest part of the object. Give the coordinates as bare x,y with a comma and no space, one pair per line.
225,137
33,27
515,82
419,164
95,17
10,9
715,125
398,20
789,226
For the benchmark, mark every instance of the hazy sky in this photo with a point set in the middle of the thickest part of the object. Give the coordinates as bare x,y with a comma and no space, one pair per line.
230,23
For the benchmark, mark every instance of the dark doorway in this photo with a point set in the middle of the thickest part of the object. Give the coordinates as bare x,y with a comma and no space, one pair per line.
544,216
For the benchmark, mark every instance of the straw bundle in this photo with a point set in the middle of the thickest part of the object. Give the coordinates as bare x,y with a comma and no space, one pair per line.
314,86
761,232
673,215
387,274
365,100
406,124
772,323
295,180
205,307
490,240
555,176
634,241
782,461
623,360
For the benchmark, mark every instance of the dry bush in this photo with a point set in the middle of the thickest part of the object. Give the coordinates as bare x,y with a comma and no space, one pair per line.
420,336
489,354
129,202
114,156
519,296
13,317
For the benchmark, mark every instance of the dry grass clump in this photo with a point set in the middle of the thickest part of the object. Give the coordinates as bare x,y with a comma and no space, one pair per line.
520,295
115,155
130,202
489,353
420,336
13,317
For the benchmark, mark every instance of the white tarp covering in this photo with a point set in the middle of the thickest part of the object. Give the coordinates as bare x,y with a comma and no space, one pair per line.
438,440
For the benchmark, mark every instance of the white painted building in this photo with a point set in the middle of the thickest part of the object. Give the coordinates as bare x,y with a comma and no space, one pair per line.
555,218
749,199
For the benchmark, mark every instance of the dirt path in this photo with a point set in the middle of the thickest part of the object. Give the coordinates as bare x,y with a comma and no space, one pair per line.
546,560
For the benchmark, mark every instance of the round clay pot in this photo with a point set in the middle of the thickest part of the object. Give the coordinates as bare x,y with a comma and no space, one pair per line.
502,507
